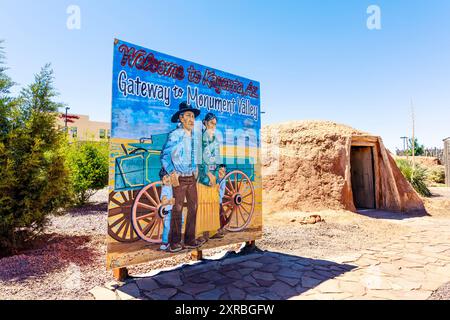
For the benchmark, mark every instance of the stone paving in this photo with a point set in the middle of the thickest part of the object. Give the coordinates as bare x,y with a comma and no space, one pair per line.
254,276
410,267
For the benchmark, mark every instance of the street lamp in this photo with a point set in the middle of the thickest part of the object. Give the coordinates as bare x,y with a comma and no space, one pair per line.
65,120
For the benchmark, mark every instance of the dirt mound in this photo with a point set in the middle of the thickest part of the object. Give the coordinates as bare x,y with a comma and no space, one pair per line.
306,166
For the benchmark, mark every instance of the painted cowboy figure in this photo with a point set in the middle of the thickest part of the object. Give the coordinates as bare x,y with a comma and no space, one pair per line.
177,158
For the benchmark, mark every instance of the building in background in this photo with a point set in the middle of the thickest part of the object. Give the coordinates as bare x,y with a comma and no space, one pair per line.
447,160
81,128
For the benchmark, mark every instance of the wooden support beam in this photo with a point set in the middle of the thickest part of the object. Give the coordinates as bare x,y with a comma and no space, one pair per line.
120,274
197,255
250,246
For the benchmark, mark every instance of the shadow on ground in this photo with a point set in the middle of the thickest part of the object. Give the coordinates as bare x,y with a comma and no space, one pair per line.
261,275
51,252
380,214
88,209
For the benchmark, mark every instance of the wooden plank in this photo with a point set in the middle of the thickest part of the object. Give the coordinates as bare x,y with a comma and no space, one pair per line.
250,244
249,247
364,141
447,161
120,274
393,193
363,181
197,255
377,180
362,144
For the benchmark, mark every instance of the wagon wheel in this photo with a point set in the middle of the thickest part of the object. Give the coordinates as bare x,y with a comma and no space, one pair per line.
119,218
238,200
148,213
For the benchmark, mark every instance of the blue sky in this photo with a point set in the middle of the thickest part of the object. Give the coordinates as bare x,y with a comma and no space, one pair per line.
314,59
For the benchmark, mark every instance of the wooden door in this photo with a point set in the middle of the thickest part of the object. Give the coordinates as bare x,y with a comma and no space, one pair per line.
363,182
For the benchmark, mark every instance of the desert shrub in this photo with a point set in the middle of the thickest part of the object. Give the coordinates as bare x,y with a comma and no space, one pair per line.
436,174
88,163
416,175
34,177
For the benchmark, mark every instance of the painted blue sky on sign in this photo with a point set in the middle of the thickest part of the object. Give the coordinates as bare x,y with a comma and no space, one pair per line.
136,116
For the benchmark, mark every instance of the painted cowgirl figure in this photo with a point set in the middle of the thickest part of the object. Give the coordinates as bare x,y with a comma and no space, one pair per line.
208,222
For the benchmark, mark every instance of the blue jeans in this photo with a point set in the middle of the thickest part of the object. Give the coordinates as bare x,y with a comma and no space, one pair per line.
166,229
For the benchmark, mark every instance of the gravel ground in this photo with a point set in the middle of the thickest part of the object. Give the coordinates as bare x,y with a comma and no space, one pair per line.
70,258
66,263
443,293
341,232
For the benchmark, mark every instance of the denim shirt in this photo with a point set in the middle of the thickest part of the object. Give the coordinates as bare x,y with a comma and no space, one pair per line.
178,153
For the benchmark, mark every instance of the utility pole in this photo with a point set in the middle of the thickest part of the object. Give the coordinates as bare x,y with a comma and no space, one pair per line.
405,143
413,142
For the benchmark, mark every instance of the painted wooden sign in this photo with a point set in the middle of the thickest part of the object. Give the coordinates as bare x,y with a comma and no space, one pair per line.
184,157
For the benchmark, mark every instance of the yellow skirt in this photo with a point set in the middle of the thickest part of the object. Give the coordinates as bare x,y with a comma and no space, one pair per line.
208,212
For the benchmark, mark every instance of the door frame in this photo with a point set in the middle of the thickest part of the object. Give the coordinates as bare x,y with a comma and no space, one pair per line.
372,142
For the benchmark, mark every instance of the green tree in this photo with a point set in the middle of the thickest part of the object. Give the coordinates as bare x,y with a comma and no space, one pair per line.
7,106
6,101
35,179
88,163
419,149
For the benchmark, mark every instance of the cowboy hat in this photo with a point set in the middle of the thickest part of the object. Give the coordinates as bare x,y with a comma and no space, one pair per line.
184,107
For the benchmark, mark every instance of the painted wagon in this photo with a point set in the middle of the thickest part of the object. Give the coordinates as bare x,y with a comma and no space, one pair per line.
136,211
